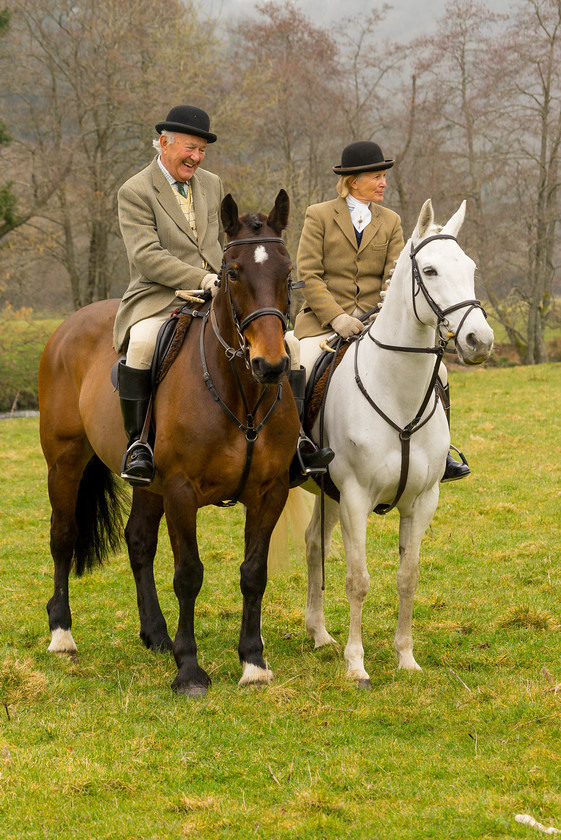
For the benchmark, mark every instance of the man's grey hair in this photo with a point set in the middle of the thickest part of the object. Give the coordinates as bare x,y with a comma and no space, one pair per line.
169,134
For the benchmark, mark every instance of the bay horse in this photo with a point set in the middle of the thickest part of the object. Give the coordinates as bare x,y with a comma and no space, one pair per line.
226,428
388,428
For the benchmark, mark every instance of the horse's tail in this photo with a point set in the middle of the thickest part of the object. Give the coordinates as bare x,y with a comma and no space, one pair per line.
99,516
293,521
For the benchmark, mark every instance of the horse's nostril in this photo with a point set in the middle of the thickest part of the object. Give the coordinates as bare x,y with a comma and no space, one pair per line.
268,372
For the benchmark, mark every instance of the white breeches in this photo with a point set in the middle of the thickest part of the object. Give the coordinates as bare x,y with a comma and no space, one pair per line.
143,335
304,351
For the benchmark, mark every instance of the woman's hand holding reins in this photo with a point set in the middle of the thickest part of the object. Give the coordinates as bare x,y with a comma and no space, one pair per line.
345,325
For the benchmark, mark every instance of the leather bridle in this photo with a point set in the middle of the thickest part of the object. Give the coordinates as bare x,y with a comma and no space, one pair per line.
441,314
229,275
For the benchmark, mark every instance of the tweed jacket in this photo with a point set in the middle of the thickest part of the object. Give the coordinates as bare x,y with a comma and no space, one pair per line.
339,276
164,255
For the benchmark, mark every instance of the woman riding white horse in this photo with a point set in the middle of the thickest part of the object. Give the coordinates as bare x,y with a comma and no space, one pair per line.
348,249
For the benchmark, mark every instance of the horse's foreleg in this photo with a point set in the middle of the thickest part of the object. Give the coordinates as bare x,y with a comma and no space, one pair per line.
355,507
411,530
181,515
141,535
261,518
315,618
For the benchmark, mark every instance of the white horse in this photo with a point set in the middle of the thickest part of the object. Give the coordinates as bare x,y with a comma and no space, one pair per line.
388,429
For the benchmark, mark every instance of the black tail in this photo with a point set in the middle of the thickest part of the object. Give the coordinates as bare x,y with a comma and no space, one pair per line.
99,516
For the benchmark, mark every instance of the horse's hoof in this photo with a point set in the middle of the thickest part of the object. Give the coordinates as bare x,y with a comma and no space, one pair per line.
191,689
255,675
62,642
363,685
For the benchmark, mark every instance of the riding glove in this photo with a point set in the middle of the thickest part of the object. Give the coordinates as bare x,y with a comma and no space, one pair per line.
345,325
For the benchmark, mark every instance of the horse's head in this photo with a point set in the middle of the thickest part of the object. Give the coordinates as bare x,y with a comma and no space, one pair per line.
444,286
255,285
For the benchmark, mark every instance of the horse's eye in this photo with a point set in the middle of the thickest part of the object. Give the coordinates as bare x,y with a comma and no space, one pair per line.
233,273
429,271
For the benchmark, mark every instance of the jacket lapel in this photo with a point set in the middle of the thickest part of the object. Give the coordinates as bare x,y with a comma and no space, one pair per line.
343,220
168,201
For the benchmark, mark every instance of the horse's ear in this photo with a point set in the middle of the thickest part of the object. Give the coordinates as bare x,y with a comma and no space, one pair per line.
454,224
278,217
229,215
424,222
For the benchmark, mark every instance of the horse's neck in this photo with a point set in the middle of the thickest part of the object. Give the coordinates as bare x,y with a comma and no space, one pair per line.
404,377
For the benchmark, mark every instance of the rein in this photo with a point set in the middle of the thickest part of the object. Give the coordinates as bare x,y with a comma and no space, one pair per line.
249,429
417,423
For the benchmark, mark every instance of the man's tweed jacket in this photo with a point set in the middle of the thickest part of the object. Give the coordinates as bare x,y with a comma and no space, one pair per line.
163,253
338,275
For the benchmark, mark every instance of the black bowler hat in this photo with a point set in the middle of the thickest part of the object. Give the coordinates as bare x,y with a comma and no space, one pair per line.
188,120
362,156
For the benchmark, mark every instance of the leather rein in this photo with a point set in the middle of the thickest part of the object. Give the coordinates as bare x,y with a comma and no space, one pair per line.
248,428
417,423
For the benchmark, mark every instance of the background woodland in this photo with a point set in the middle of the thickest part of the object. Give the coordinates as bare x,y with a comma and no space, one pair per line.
473,112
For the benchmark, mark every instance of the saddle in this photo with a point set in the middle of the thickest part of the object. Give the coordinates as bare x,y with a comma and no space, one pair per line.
316,390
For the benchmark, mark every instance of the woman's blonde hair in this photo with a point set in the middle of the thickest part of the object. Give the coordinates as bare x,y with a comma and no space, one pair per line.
343,184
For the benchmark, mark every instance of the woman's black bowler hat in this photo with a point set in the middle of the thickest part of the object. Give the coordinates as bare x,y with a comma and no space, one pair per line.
188,120
362,156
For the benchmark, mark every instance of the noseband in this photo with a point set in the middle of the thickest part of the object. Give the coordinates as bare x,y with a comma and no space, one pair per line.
441,314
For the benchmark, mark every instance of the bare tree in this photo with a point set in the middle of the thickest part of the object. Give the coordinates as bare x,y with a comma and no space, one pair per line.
284,106
535,96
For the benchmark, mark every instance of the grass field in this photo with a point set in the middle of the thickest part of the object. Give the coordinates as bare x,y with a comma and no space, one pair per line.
97,745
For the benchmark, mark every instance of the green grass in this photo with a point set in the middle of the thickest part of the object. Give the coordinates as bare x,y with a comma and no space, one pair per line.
97,745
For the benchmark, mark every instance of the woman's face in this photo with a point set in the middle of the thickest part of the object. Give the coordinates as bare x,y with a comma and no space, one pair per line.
369,186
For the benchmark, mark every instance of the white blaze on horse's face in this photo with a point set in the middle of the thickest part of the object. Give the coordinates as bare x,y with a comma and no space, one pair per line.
448,275
260,255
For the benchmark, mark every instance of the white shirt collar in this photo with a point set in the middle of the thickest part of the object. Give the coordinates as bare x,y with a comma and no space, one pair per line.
360,212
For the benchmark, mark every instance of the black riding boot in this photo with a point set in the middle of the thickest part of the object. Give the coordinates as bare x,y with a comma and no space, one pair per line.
308,459
135,388
454,470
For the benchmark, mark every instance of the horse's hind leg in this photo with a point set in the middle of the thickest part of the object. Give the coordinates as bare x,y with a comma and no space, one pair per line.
64,482
141,535
411,531
315,619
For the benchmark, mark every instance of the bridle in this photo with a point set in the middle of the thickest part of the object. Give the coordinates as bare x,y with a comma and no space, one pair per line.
441,314
229,275
417,423
251,431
